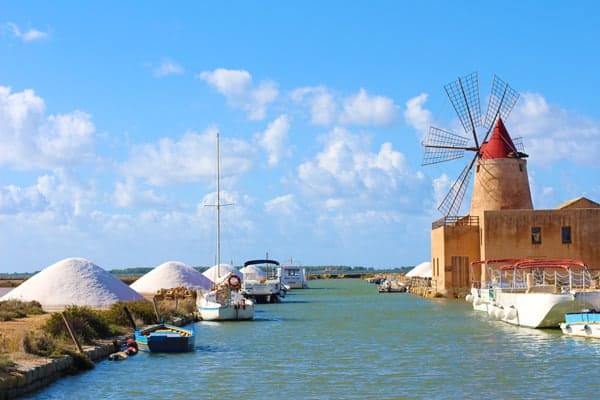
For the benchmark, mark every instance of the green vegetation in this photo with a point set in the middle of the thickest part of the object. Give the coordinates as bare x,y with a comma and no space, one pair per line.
11,309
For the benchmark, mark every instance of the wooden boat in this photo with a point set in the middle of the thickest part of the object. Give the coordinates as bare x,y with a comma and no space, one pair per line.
585,323
165,338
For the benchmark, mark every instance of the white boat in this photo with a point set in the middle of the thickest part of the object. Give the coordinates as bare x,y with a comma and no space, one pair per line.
293,276
262,285
585,323
223,302
532,293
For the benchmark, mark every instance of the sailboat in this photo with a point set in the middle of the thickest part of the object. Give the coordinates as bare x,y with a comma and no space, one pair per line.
224,302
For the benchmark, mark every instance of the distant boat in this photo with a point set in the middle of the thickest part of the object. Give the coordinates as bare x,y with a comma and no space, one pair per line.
532,293
224,302
261,285
165,338
585,323
293,276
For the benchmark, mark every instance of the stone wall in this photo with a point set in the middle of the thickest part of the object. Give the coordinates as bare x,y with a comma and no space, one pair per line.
37,372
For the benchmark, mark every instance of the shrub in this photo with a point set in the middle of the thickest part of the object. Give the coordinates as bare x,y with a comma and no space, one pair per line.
11,309
88,325
39,343
5,363
142,312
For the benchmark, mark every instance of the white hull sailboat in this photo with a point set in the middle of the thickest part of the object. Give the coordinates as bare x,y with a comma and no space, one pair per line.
532,293
224,302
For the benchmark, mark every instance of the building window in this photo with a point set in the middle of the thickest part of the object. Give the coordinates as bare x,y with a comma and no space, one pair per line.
536,235
566,234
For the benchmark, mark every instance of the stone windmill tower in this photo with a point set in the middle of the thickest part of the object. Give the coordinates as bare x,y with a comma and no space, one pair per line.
501,180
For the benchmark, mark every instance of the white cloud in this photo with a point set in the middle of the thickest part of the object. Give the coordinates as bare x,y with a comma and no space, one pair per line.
127,194
273,139
347,175
283,205
359,109
363,109
168,67
27,36
31,139
552,133
237,86
321,103
418,117
190,159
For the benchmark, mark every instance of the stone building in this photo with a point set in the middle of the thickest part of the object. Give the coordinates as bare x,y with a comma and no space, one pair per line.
503,224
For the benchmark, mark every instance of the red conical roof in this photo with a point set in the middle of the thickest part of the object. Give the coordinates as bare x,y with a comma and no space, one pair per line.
499,145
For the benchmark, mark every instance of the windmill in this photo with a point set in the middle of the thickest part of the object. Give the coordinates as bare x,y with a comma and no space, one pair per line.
441,145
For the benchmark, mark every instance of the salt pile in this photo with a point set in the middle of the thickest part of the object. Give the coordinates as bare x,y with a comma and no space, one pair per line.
253,273
217,272
73,281
422,270
169,275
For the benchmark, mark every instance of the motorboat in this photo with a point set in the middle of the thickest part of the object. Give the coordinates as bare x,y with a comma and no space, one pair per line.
262,285
292,276
532,293
585,323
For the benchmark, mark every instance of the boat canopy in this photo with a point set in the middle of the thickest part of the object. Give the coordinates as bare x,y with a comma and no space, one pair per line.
254,262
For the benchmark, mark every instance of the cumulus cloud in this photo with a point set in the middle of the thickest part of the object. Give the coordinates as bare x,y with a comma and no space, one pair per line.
418,117
363,109
273,139
326,108
320,102
128,194
552,133
241,92
347,174
168,67
31,139
190,159
26,36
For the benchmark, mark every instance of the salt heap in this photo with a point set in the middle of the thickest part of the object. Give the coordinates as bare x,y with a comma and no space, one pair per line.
169,275
253,273
422,270
218,272
73,281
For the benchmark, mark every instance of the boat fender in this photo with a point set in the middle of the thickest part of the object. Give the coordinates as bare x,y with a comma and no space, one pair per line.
234,282
512,313
243,304
469,298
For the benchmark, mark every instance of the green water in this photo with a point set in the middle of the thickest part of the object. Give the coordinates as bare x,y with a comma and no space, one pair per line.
343,340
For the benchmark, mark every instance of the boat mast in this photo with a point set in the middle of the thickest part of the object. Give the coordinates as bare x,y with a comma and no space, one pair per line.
218,210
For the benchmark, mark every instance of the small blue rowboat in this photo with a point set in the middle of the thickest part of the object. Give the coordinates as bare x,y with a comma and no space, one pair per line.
165,338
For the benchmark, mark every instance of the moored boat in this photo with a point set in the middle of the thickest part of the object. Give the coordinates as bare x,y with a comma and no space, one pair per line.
585,323
165,338
262,285
292,276
532,293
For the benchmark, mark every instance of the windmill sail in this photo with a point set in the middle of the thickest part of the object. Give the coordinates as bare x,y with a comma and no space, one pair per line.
441,145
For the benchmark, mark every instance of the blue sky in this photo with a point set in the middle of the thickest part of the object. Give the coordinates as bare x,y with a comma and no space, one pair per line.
108,115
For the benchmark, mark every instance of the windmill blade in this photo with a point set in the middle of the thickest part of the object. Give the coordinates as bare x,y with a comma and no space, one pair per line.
502,100
441,146
450,206
464,96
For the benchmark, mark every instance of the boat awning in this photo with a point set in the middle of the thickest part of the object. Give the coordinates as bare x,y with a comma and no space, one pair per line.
254,262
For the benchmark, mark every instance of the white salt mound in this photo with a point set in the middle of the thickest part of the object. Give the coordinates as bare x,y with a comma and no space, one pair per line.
422,270
222,270
253,273
73,281
171,274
